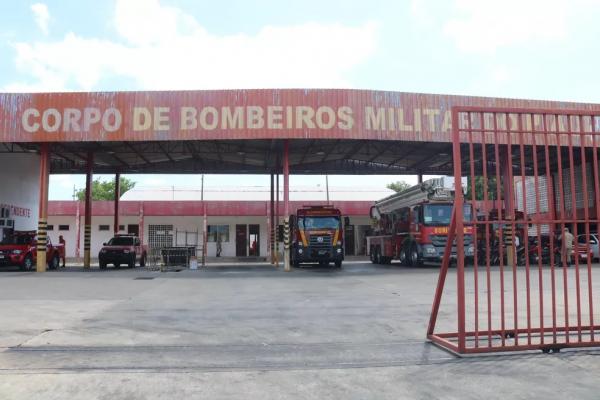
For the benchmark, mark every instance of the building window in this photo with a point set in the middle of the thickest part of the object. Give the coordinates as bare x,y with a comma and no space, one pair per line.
121,227
221,230
63,227
104,227
49,227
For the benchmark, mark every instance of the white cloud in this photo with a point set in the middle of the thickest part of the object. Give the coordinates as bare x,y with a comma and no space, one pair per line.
164,48
484,26
41,16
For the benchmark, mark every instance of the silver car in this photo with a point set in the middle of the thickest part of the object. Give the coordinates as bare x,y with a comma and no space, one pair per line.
594,240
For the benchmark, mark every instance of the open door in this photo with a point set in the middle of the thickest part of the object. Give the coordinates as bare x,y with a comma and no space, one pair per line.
254,243
241,241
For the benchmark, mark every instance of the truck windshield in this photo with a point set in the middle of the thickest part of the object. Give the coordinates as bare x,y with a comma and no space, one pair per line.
121,241
17,239
329,222
440,214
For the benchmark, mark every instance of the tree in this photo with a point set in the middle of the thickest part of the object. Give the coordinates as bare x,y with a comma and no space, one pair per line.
398,186
479,188
105,190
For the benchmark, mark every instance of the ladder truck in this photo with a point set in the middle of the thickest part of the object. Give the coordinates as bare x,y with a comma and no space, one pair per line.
412,226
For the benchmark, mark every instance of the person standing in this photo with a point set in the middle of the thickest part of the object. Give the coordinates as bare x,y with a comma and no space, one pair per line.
63,249
567,240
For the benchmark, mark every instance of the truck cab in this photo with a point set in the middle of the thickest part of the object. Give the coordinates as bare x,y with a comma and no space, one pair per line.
317,236
20,249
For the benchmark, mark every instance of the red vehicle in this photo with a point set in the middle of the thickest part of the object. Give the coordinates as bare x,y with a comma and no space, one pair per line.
20,249
123,249
317,236
412,225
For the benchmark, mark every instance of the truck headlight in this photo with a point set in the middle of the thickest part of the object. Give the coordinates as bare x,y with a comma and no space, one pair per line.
300,251
339,243
16,251
470,250
126,251
339,250
430,250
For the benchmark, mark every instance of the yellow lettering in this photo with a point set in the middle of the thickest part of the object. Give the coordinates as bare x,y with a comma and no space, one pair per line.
161,118
430,114
204,120
375,121
232,121
346,120
254,117
274,117
304,116
188,118
321,123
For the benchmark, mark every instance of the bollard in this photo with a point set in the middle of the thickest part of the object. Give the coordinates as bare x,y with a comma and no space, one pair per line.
286,244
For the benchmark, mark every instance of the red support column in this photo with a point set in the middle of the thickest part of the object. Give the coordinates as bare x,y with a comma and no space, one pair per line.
78,230
117,196
141,222
277,218
272,221
286,205
43,209
88,212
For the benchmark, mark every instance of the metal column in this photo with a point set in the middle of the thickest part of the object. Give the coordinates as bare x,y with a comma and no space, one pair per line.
117,196
272,220
277,219
286,206
88,212
43,209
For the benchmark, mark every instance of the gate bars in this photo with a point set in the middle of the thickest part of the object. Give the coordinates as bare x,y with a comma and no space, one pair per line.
533,173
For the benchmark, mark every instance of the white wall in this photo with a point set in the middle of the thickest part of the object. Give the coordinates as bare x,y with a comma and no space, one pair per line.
19,187
180,223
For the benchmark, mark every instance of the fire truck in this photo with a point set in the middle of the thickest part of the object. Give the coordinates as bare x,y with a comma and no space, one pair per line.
317,236
412,226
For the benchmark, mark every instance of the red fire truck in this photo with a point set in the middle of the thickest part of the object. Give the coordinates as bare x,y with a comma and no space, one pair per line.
412,226
317,236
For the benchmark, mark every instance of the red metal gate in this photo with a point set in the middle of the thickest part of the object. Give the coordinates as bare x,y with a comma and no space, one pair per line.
534,173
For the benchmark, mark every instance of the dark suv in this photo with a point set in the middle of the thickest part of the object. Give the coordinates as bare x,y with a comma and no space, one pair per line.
122,249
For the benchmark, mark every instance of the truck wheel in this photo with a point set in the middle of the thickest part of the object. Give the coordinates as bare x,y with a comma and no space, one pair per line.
143,261
372,255
54,263
402,257
102,265
338,264
27,263
415,260
131,263
377,255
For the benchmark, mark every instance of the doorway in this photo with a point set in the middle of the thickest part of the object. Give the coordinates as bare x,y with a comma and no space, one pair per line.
254,233
241,240
349,240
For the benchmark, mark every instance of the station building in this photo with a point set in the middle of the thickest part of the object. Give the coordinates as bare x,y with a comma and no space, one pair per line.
171,216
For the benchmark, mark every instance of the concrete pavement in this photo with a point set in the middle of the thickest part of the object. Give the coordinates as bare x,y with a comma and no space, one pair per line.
252,332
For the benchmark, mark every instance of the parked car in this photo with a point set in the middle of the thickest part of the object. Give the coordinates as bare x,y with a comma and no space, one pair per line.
593,243
122,249
20,249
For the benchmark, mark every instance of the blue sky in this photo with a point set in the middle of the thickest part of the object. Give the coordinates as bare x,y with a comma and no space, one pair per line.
528,48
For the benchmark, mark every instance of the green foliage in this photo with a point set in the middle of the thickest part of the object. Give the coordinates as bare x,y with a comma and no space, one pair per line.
398,186
479,188
105,190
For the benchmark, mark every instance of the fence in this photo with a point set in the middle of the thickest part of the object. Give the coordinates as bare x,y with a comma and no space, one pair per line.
177,252
528,288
